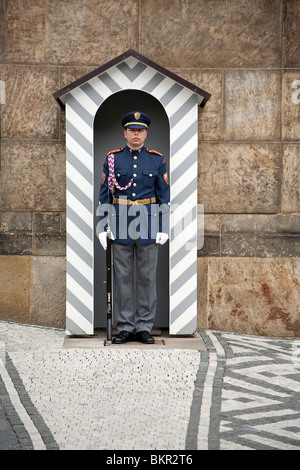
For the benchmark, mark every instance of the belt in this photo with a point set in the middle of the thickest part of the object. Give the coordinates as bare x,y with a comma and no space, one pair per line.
128,202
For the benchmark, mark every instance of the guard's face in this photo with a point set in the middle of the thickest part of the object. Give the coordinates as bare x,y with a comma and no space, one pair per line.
135,137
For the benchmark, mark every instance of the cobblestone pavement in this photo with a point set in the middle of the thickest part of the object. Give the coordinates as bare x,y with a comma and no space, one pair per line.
236,392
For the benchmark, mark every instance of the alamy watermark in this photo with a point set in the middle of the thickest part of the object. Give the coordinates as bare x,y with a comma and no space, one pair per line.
183,222
296,94
2,92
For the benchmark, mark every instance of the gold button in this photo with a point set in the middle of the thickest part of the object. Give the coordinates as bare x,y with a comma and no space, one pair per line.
134,166
134,175
134,184
118,174
150,174
133,194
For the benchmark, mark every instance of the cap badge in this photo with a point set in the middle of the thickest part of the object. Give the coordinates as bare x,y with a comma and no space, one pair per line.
137,116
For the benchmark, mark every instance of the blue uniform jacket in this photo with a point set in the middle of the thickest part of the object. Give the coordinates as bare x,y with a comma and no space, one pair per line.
148,172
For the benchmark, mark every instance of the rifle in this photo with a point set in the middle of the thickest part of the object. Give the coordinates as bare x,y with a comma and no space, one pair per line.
109,300
108,286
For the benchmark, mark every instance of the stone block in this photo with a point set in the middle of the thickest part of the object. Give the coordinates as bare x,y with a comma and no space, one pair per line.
198,33
25,35
56,32
211,246
15,243
290,201
30,110
48,296
210,124
261,224
47,237
69,75
252,105
16,233
291,34
46,222
32,176
261,235
291,105
15,288
239,178
212,236
16,222
63,222
258,296
49,244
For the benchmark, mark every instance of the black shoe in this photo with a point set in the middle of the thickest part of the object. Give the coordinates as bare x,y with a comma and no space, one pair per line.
145,337
123,337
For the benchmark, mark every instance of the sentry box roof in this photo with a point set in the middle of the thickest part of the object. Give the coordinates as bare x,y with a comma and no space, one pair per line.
119,61
174,102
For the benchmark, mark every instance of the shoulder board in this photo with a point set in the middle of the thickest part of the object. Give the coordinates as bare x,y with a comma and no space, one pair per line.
154,151
116,150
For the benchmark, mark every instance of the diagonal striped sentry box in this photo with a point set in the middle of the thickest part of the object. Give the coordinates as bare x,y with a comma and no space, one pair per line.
180,100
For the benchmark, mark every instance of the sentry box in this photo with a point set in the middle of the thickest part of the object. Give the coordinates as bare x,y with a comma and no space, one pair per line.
94,105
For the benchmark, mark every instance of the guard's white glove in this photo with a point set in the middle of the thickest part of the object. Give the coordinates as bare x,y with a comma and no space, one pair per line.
103,239
161,238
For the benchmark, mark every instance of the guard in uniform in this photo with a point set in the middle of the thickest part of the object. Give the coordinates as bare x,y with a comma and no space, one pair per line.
135,185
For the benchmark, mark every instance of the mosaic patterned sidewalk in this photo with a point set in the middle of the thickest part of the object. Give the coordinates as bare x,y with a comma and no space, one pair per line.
239,392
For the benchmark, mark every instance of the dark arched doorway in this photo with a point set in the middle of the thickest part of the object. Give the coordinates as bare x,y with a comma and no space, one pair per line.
108,134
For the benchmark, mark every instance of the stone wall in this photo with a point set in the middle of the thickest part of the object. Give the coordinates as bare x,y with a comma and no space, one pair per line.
247,54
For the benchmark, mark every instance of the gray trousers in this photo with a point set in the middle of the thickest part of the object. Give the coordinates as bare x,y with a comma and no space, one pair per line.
135,286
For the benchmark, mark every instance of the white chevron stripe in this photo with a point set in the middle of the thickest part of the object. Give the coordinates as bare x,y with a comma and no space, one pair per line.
184,240
76,317
80,237
162,88
79,292
178,212
184,180
100,87
131,61
177,101
79,180
120,78
82,212
183,265
80,153
142,80
85,101
184,291
181,127
184,151
184,229
186,317
188,232
80,125
74,203
80,265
